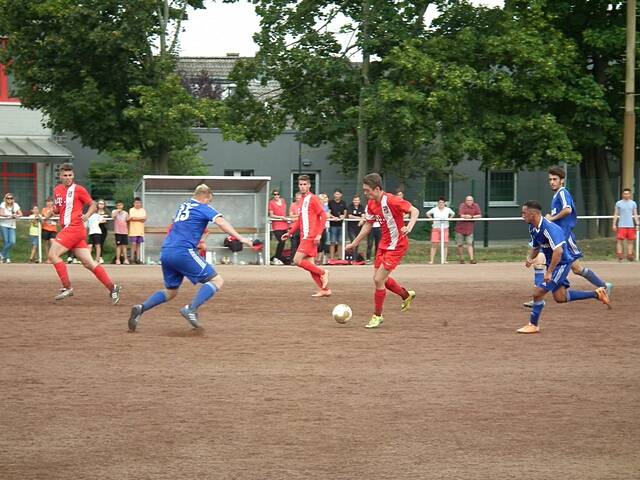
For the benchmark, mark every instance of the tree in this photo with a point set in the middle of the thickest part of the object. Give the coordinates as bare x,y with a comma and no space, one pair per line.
92,69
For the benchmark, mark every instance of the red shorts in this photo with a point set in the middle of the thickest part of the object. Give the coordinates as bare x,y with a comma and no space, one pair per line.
626,233
308,247
73,236
389,259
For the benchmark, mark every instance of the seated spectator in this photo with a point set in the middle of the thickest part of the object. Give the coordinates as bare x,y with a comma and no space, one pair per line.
440,228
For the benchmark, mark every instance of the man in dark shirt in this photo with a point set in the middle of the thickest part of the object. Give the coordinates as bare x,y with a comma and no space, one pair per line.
337,211
355,212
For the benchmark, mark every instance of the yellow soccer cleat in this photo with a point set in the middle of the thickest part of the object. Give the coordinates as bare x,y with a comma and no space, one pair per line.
375,322
406,303
530,328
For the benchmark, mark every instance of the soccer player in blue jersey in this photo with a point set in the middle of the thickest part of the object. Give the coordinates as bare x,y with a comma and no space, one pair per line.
563,213
179,257
550,239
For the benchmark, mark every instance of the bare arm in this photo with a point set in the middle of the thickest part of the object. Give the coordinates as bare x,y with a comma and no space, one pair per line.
615,219
91,210
531,256
414,213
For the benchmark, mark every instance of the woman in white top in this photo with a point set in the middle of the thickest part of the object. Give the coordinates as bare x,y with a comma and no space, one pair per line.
9,211
441,215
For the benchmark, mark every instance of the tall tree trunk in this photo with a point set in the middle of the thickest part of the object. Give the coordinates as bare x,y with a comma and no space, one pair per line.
160,162
589,189
605,190
377,160
363,132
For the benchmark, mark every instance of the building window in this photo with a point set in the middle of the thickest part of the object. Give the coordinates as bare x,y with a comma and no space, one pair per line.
20,179
503,190
436,186
238,173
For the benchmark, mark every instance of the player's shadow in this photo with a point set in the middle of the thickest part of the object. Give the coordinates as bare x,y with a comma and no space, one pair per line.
185,333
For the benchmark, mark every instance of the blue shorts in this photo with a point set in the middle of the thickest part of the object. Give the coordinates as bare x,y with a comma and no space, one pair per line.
573,248
558,278
180,263
34,240
335,234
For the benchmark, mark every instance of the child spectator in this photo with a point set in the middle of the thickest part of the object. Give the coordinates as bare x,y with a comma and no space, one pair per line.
137,217
49,226
95,234
34,233
121,232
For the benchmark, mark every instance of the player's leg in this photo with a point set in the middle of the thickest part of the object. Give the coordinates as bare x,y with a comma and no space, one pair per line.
304,259
591,276
380,276
536,310
83,254
199,271
56,251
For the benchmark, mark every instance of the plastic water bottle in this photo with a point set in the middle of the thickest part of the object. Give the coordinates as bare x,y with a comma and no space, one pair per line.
234,259
214,260
260,259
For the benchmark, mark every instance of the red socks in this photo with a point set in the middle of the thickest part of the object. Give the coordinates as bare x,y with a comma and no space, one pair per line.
61,270
102,275
395,287
317,278
311,267
378,300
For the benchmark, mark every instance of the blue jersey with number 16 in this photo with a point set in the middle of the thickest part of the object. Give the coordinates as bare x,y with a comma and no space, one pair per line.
189,224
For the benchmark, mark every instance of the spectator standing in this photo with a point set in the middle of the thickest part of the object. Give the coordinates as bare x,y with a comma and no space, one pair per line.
355,212
337,212
322,245
294,213
102,210
34,233
137,217
121,232
49,226
9,211
625,224
95,235
464,230
440,228
279,226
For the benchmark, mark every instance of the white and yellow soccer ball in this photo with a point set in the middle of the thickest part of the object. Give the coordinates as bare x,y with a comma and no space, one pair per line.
342,313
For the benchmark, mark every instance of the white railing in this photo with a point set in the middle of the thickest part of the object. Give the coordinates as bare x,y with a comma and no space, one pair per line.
442,230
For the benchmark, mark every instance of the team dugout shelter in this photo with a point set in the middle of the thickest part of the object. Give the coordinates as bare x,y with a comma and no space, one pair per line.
243,201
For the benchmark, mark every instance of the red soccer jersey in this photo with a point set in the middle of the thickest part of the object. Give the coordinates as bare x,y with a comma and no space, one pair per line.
70,202
390,213
312,217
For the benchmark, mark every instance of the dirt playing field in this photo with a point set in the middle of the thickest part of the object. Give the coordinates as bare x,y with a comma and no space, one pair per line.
273,388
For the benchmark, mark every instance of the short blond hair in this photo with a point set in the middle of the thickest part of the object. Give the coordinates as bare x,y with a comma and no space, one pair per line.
202,189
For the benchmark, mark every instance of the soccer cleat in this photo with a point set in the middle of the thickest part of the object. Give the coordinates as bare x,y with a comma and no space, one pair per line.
601,292
530,328
528,304
64,293
325,279
115,294
190,315
326,292
134,318
406,303
375,322
609,288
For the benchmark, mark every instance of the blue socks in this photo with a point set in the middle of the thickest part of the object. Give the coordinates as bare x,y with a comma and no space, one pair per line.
154,300
206,291
574,295
538,277
592,277
535,312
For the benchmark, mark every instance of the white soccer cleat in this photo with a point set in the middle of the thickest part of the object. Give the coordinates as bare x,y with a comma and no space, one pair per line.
64,293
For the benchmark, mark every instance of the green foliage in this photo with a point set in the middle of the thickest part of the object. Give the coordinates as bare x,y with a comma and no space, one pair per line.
91,67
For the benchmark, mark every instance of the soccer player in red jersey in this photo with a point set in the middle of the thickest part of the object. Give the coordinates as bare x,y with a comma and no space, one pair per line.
69,201
311,223
389,211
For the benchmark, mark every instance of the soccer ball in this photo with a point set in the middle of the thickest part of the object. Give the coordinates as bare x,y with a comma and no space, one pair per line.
342,313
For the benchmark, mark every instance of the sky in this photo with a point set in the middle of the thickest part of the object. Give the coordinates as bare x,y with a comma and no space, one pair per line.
224,28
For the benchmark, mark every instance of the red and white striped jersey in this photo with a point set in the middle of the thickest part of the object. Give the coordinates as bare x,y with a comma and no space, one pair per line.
70,202
389,211
312,217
